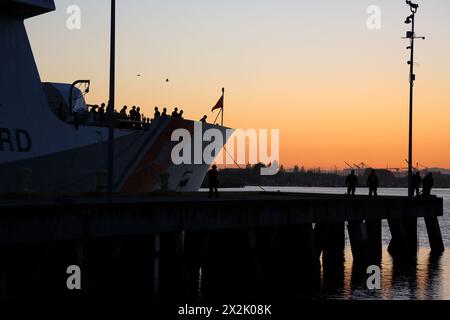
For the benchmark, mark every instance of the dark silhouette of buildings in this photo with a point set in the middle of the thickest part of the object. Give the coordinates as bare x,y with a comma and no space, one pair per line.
301,177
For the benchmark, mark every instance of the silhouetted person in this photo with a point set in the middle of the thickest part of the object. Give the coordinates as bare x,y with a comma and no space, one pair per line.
157,113
123,113
175,113
101,115
94,110
372,183
147,124
417,183
107,116
180,115
351,182
94,114
427,185
117,115
164,113
213,179
133,114
137,117
204,119
123,116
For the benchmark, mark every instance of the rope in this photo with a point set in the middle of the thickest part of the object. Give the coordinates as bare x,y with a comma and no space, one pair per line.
217,117
259,186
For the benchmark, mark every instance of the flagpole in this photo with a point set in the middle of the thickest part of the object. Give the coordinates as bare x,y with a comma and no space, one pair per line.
223,103
110,111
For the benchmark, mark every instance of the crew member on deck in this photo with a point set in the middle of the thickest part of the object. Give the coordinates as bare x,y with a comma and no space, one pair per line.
138,118
164,113
175,113
94,109
157,113
133,114
123,113
101,115
94,114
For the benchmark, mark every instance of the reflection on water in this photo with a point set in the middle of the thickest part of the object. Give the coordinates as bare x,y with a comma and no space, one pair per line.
423,279
427,277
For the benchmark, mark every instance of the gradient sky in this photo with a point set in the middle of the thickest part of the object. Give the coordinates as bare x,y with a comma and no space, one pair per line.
336,90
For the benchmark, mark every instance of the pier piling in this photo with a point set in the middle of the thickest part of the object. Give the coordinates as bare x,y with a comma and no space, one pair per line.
374,233
434,235
359,241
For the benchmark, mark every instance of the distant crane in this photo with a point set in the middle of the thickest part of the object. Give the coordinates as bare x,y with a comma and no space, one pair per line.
361,166
421,165
349,165
365,165
417,167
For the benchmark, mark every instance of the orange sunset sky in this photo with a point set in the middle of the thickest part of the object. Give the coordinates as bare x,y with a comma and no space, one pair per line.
336,90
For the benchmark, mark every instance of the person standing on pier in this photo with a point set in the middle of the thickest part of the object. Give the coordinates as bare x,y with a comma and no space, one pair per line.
417,182
351,182
427,185
213,179
372,183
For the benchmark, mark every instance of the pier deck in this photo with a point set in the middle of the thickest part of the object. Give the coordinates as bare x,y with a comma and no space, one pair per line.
46,218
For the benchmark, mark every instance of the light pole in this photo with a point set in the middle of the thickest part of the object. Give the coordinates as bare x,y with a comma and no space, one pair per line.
412,77
111,115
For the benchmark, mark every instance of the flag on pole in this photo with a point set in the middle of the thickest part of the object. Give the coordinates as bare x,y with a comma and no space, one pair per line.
219,104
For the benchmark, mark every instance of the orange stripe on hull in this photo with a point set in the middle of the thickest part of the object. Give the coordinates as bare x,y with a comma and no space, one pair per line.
146,175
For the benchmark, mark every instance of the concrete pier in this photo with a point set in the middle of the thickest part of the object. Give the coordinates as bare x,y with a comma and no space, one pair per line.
43,219
186,247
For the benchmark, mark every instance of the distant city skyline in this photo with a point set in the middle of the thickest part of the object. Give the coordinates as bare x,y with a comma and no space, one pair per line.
337,90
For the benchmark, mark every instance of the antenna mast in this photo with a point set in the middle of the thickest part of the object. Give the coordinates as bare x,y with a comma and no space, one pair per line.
411,35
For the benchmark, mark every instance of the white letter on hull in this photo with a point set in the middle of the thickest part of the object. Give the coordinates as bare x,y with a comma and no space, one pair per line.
213,149
181,153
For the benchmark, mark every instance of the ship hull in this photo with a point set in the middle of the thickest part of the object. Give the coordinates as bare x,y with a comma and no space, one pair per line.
142,163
